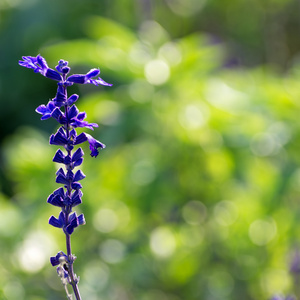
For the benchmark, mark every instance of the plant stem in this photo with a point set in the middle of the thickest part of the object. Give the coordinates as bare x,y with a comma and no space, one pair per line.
73,280
70,269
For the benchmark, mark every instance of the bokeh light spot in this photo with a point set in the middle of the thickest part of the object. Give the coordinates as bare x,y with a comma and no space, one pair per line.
162,242
153,33
194,212
275,281
95,276
35,251
14,290
220,284
112,251
191,236
105,220
186,7
157,72
225,213
261,232
143,172
139,54
141,91
193,116
224,97
10,220
170,52
107,112
263,144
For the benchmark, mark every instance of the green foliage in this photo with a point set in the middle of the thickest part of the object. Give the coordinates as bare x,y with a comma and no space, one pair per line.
196,194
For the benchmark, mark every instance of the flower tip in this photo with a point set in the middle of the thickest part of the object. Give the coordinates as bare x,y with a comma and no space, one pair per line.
92,73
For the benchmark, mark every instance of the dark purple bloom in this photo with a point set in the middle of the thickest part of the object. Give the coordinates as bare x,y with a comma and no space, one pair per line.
60,97
87,78
77,120
61,177
59,116
77,157
61,199
62,67
280,297
59,157
81,138
39,65
69,178
57,222
74,221
57,198
94,145
72,99
59,138
78,176
295,264
76,198
60,257
46,110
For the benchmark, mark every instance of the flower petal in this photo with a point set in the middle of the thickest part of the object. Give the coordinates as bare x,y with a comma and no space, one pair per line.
50,73
79,175
59,157
57,222
92,73
77,78
72,99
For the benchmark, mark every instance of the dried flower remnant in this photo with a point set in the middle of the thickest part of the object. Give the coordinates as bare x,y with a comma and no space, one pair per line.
65,112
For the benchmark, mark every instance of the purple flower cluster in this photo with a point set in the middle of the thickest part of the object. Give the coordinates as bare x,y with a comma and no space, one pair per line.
280,297
65,112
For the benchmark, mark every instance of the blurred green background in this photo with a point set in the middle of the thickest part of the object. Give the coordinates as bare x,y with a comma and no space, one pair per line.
197,194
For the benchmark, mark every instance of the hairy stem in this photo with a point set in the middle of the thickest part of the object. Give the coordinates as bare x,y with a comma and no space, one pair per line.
73,278
70,269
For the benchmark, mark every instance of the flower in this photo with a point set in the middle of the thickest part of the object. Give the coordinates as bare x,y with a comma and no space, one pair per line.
295,263
39,65
70,179
61,199
46,110
75,118
69,226
280,297
63,109
94,145
59,258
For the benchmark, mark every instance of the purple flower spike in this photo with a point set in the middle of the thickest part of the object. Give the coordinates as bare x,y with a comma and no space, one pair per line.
64,111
